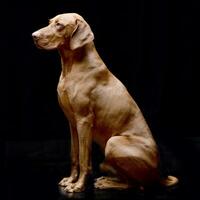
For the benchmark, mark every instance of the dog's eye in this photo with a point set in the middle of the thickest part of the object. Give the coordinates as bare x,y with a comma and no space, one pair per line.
59,26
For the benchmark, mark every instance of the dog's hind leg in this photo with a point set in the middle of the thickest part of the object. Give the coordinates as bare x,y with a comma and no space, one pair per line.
128,162
111,181
105,182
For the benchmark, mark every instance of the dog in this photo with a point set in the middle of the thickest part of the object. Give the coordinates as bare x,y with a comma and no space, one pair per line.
99,108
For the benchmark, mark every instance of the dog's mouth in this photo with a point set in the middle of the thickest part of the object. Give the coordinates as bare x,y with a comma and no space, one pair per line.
40,43
45,44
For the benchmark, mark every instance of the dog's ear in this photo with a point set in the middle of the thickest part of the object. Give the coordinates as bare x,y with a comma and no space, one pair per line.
81,35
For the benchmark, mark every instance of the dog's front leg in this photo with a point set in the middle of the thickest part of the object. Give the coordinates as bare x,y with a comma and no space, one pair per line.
84,129
74,158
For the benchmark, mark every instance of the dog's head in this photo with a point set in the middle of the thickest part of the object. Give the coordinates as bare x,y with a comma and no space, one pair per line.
68,29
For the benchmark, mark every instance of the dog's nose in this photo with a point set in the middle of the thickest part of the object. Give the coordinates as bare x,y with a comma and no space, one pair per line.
35,35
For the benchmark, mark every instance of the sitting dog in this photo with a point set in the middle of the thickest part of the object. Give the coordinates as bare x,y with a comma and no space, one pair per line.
99,108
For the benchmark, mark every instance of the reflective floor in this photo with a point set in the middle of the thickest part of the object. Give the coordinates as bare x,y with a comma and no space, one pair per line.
37,180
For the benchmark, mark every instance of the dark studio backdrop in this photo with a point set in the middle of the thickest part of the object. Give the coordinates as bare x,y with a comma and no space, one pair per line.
148,45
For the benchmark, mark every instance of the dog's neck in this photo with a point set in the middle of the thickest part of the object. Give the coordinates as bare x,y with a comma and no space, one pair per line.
75,58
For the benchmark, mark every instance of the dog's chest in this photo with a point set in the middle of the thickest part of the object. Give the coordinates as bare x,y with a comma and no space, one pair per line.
65,90
71,94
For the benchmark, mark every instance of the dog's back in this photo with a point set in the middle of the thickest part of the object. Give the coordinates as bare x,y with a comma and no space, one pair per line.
115,111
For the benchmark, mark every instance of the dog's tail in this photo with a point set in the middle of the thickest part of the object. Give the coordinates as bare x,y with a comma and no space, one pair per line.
169,181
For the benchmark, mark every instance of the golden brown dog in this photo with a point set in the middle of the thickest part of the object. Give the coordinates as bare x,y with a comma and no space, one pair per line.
98,108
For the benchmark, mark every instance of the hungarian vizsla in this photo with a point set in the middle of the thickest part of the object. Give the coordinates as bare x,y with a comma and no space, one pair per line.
99,108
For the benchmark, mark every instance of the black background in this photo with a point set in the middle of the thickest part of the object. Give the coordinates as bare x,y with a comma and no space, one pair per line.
148,45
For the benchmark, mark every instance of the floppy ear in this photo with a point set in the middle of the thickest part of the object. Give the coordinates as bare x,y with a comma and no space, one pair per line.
81,35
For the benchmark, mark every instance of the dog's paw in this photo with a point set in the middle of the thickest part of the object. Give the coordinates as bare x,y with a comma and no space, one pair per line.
110,183
75,187
66,181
